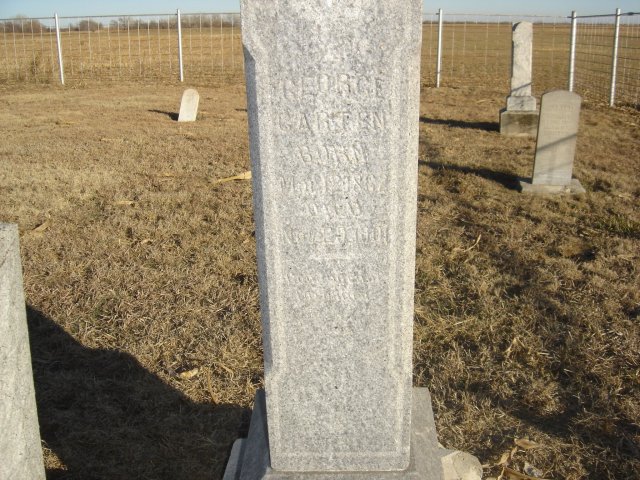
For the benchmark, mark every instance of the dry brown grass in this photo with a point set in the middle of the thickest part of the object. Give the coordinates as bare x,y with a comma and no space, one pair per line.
527,308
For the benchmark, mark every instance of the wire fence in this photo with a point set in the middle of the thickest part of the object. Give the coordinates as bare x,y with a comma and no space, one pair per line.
126,47
607,58
598,56
476,50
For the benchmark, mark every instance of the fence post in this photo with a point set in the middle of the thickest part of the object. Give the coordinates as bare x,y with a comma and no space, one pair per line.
614,62
180,47
572,50
60,63
439,60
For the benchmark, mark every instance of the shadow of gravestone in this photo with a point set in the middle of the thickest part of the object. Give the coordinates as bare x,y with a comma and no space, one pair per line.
106,416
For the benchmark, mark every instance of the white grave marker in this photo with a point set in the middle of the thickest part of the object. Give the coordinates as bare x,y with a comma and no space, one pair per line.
189,106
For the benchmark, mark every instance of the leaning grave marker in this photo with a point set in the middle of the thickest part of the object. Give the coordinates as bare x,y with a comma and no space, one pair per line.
20,448
520,118
556,145
189,106
333,102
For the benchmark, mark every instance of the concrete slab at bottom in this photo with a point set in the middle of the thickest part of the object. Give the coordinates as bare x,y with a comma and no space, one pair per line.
519,123
574,188
249,458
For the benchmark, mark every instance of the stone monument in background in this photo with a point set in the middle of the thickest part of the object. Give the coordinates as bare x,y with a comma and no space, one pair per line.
556,145
520,118
20,448
189,106
333,94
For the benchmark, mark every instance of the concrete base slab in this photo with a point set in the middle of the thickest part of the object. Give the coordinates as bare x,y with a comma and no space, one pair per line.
249,458
519,123
574,188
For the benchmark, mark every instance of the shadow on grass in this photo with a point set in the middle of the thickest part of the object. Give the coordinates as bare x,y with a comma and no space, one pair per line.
172,115
600,425
580,414
486,126
505,179
106,416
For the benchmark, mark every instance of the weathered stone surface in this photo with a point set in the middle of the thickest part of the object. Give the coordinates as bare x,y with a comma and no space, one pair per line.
573,188
20,450
428,460
521,64
333,95
557,136
520,118
526,104
189,106
518,123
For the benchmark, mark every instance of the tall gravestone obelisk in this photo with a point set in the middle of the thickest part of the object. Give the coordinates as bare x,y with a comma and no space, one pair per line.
20,447
333,91
520,118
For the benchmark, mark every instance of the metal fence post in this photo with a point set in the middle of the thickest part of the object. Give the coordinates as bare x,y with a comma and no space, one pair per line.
180,47
60,63
614,62
439,60
572,50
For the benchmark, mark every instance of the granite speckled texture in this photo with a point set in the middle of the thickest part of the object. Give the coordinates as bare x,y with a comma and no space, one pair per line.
333,100
429,460
189,106
20,450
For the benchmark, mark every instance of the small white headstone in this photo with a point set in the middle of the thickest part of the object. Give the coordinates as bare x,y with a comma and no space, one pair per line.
189,106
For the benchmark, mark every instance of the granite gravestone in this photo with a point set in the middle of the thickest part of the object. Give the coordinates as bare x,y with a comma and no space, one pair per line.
333,102
189,106
20,449
556,145
520,117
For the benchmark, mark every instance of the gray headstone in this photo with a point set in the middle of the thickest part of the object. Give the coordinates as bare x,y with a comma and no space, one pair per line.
20,448
189,106
333,102
521,63
557,135
556,145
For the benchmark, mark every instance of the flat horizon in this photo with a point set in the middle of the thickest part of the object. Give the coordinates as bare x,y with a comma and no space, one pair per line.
75,8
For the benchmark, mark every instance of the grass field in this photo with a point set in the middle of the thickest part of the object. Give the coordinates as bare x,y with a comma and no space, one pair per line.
140,278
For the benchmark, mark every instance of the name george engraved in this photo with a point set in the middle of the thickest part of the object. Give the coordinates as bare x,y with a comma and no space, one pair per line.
321,122
327,184
338,84
337,235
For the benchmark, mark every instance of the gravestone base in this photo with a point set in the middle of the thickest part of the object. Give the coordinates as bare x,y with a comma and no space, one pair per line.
574,188
249,459
515,123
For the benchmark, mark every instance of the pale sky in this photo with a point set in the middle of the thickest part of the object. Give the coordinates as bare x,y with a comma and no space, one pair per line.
46,8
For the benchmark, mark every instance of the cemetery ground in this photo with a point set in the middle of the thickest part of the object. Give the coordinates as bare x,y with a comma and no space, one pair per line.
141,283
